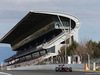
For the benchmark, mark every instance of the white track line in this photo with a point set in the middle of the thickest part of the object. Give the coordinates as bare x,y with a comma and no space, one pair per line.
93,73
5,73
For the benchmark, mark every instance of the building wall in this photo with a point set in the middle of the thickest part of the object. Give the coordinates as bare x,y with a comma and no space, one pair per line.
49,67
76,35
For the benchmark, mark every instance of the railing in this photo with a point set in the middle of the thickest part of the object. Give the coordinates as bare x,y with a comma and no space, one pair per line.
30,62
21,53
51,41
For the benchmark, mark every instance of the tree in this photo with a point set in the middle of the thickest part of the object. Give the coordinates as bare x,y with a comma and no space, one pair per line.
91,47
81,50
70,49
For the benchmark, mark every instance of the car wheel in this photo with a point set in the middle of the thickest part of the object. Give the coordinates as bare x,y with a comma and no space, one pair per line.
60,69
63,69
56,69
70,69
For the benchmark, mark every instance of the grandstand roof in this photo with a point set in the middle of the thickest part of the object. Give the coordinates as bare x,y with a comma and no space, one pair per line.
29,21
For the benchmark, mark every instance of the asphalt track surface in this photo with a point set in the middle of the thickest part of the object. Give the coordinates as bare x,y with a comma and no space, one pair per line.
47,72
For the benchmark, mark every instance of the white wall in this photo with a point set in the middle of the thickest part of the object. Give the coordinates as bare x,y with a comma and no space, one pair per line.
50,67
76,35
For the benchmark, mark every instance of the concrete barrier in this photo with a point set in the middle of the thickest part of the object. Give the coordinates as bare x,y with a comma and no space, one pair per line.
50,67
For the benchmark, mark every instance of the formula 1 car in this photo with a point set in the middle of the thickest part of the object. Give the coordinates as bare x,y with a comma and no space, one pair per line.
62,68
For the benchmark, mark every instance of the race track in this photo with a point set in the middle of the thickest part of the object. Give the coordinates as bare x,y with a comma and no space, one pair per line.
46,72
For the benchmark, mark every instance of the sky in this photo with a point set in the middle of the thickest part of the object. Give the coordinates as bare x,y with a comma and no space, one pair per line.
87,11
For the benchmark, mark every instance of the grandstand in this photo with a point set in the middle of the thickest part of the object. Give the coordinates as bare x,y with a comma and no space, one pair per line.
39,36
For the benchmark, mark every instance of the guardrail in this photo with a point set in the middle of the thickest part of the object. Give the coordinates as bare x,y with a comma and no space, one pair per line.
50,67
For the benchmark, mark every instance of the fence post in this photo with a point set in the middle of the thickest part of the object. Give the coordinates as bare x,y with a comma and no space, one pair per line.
62,59
94,65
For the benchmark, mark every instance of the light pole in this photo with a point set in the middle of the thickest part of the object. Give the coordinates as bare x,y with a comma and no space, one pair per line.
65,47
64,30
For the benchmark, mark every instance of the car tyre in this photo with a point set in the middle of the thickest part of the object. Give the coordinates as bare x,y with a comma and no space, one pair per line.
56,69
70,69
60,69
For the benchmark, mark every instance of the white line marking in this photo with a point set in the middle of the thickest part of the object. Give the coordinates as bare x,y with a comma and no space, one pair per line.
92,73
5,73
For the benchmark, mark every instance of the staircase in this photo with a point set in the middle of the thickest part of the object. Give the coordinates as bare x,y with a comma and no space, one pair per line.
57,40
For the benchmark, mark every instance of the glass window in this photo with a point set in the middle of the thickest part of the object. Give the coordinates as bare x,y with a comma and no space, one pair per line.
28,57
42,52
58,24
51,50
36,54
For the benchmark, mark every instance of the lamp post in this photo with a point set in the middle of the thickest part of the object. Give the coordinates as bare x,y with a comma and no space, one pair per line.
64,30
66,39
65,48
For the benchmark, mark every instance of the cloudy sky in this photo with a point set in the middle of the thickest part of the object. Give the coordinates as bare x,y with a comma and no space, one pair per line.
88,11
